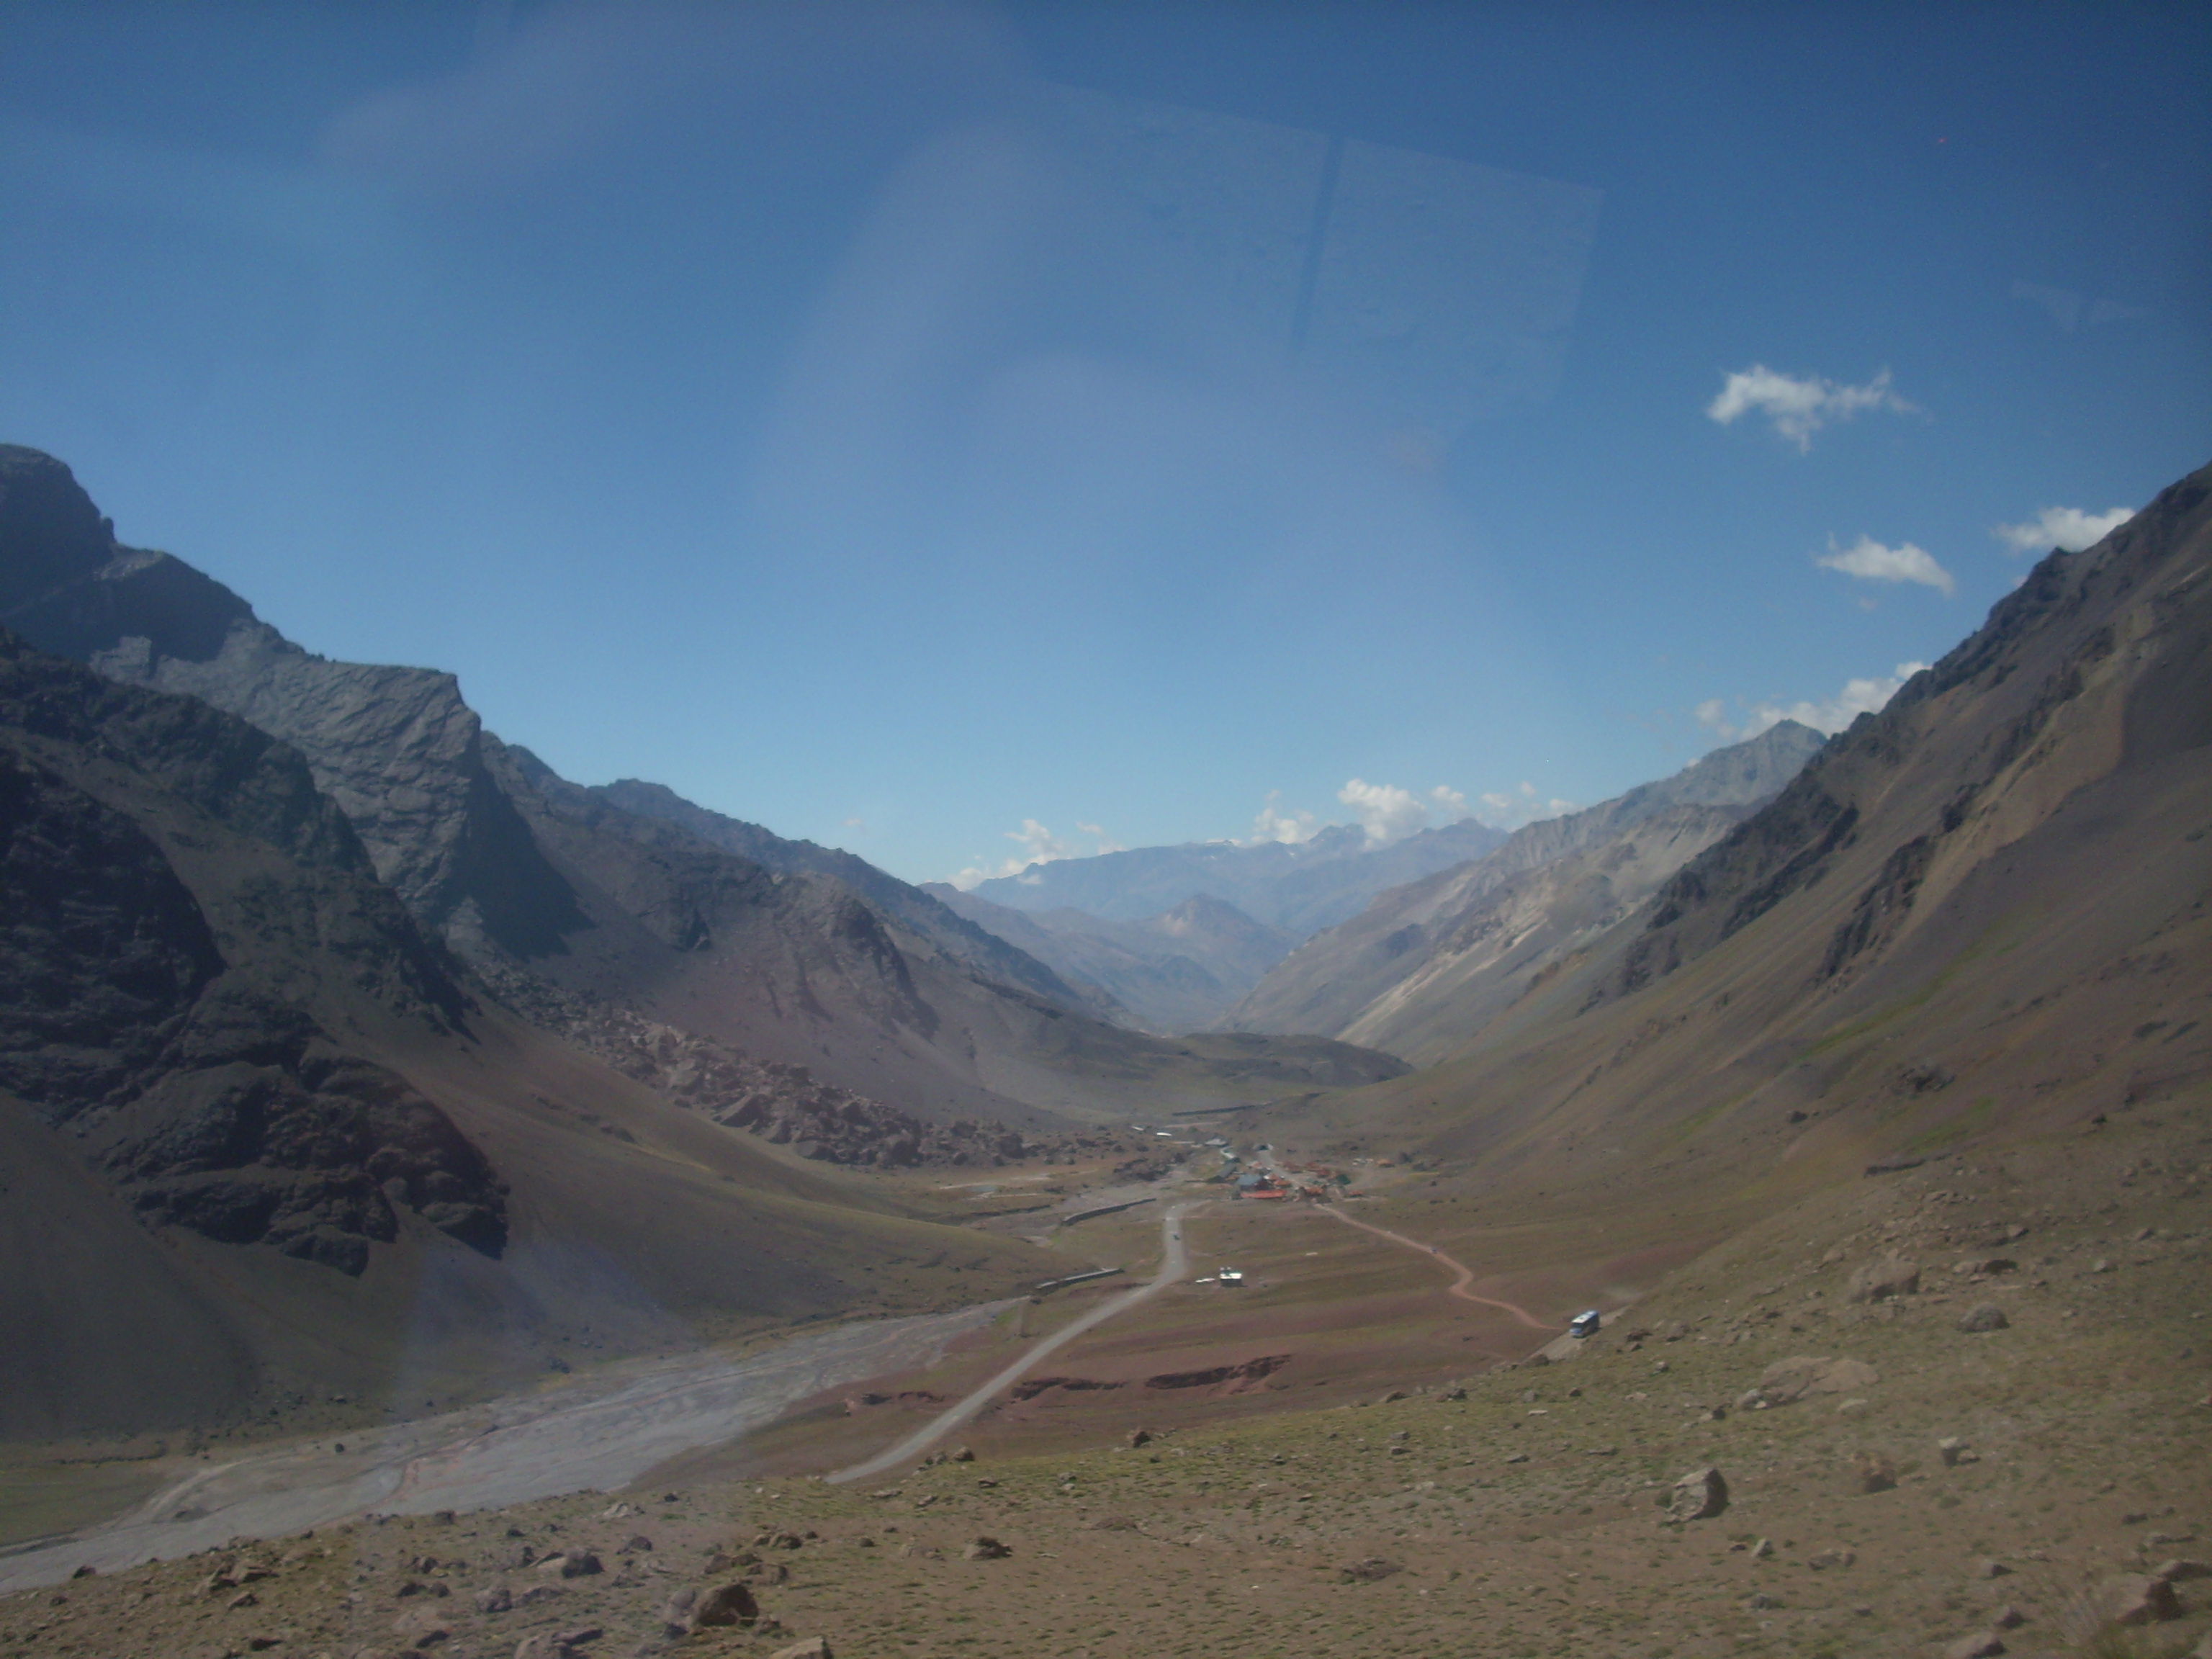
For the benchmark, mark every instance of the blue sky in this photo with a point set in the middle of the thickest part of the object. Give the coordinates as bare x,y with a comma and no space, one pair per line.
900,425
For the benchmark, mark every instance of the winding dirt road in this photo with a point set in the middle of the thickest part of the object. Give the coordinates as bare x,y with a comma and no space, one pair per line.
1174,1264
1458,1287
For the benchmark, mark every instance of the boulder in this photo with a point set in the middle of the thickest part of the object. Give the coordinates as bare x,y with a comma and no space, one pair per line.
574,1563
2181,1570
725,1604
1372,1570
1954,1452
1874,1472
1697,1496
1883,1277
1789,1380
2145,1600
986,1549
1984,1316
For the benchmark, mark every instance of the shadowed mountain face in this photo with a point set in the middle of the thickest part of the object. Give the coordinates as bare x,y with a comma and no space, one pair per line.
249,1112
1297,887
1177,971
1976,915
1421,970
793,954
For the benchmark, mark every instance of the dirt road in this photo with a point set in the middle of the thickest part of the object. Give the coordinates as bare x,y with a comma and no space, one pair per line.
598,1432
1458,1287
1174,1264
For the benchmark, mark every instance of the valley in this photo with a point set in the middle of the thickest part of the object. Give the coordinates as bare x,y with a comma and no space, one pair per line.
655,1208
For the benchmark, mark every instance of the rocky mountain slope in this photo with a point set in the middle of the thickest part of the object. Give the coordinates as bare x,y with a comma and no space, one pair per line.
1177,971
1979,916
1421,969
1300,887
810,959
252,1113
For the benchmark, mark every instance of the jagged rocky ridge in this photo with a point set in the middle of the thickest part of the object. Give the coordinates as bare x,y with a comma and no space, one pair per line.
810,959
159,863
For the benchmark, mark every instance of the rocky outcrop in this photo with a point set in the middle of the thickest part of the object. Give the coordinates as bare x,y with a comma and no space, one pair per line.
782,1103
177,891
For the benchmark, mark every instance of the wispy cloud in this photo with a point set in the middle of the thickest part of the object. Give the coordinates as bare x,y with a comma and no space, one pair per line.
1870,561
1385,811
1509,809
1858,697
1800,407
1273,823
2067,528
1038,845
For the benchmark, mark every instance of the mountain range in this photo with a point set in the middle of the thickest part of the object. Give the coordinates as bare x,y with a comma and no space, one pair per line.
354,1049
1977,916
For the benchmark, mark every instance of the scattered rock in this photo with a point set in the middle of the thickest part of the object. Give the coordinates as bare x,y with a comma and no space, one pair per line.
1697,1496
1762,1549
2181,1570
1984,1316
1872,1472
1954,1452
814,1647
1789,1380
1991,1569
1884,1278
725,1604
637,1544
1983,1644
493,1598
958,1455
2009,1618
1835,1556
243,1599
572,1562
986,1549
1372,1570
1139,1437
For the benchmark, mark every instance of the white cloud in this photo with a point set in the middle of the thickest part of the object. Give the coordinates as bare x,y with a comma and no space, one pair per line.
1868,560
1451,804
2069,527
1272,823
1385,811
1799,408
1858,697
1038,846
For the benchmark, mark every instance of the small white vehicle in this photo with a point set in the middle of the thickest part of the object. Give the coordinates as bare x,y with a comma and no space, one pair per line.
1232,1275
